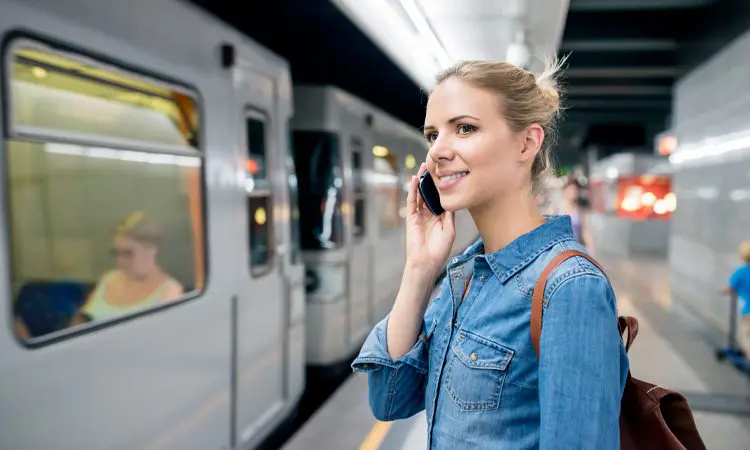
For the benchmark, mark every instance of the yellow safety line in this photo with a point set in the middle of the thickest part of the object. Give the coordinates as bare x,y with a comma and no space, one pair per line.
375,436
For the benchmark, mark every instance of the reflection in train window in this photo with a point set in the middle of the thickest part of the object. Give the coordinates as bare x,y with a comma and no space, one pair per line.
316,156
359,189
113,224
54,95
387,190
258,190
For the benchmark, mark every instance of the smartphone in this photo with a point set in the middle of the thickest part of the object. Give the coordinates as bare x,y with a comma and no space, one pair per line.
430,194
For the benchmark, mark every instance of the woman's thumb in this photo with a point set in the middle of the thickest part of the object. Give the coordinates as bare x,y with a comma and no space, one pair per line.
449,220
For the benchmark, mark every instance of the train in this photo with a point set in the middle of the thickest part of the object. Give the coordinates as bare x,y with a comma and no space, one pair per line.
185,230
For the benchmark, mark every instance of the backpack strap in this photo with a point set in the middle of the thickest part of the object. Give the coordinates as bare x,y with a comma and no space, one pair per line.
538,297
631,325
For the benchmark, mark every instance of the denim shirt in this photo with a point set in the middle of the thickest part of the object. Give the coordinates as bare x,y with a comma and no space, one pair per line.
473,367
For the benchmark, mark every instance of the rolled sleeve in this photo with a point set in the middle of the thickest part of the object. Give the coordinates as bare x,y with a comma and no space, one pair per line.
396,388
581,366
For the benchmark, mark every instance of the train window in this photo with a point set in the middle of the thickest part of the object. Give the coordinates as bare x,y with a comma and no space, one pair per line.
358,188
388,193
257,186
104,187
316,157
78,99
256,151
259,231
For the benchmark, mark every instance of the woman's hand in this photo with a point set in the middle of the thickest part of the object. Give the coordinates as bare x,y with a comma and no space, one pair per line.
429,238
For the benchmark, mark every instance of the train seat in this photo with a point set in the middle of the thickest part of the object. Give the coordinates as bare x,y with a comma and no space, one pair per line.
48,306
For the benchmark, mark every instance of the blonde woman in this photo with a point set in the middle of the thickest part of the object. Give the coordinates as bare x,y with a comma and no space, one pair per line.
138,281
467,358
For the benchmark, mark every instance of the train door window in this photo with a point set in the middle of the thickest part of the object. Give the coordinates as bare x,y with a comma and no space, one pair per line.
104,183
319,173
387,189
258,189
358,188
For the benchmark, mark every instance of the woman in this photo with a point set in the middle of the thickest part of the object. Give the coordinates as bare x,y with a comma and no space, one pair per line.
468,358
571,206
138,282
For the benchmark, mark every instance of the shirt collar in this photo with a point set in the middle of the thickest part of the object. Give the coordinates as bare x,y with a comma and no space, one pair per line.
510,259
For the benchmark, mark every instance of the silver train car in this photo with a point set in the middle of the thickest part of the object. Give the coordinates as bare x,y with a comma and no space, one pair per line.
154,285
353,163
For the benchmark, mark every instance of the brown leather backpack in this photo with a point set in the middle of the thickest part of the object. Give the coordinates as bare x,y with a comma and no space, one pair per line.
651,417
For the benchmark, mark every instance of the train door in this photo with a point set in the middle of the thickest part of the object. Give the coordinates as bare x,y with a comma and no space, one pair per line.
294,275
259,311
359,258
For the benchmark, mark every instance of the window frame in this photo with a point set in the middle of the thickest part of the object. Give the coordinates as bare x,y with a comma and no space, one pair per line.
10,132
251,112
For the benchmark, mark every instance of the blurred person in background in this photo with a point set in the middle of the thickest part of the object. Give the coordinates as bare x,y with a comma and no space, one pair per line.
574,205
739,285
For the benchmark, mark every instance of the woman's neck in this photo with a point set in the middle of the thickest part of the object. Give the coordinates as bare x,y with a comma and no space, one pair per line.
503,220
146,276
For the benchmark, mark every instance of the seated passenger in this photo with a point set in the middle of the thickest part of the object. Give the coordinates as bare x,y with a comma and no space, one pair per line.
138,282
739,284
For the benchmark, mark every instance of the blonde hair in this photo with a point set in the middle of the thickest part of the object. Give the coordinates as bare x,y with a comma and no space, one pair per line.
526,98
744,251
140,227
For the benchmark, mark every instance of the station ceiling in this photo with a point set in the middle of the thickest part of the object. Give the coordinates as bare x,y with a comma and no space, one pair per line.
624,57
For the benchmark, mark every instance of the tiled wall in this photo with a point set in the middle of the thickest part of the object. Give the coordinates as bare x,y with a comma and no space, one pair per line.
712,179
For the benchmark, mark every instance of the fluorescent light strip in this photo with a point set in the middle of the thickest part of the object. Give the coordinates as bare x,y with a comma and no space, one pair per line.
122,155
386,27
419,20
713,146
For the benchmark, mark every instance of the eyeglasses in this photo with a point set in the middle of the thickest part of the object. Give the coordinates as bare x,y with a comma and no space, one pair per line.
123,252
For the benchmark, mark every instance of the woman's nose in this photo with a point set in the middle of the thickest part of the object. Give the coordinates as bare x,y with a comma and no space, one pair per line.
441,150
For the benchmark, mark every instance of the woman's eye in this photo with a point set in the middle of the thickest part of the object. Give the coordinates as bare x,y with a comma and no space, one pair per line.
464,129
430,137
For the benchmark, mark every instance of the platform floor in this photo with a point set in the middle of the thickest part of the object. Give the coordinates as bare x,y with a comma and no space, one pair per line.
674,349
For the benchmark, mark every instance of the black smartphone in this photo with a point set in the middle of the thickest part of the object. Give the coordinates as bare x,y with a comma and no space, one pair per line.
430,194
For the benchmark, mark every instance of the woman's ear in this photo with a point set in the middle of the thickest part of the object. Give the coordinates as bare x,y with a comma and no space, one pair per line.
532,142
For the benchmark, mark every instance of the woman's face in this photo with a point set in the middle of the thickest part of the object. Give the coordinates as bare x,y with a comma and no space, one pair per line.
134,258
474,155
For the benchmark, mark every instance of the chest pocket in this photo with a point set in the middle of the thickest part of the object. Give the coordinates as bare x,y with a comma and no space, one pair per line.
476,372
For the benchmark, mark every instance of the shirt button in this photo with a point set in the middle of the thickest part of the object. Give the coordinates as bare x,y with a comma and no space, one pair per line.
473,356
481,277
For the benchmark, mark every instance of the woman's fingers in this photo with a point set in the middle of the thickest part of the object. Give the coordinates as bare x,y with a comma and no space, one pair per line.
420,200
412,196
